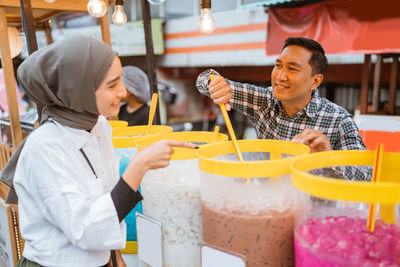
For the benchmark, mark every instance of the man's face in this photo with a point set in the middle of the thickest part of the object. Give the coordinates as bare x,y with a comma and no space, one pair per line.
292,79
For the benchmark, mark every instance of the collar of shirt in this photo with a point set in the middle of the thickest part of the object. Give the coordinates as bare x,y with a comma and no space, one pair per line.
314,106
79,137
310,110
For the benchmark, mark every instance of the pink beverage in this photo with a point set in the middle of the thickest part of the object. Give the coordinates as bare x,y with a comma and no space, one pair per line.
343,241
265,240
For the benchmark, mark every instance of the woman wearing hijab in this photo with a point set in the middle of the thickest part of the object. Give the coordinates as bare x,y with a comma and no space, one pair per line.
135,111
71,201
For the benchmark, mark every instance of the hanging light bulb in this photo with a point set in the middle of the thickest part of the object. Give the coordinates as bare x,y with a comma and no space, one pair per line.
206,22
156,2
119,17
49,1
97,8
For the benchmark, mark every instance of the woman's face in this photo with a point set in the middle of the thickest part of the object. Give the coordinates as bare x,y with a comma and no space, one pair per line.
111,91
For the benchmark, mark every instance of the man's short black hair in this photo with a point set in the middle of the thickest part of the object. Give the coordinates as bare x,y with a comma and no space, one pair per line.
318,60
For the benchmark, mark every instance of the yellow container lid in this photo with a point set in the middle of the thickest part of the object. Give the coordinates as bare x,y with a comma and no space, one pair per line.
277,166
117,123
127,136
179,152
387,191
130,248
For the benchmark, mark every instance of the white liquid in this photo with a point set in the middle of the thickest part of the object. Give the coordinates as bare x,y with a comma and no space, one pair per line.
172,196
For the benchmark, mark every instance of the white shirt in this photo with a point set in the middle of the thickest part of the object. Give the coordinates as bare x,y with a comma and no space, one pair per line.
67,216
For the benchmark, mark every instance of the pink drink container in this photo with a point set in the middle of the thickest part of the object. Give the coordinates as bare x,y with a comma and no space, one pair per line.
334,231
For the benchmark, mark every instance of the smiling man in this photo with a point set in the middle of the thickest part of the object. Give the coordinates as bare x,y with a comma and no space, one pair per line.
291,109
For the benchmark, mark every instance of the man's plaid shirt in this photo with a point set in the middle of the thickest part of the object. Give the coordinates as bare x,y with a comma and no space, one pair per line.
271,121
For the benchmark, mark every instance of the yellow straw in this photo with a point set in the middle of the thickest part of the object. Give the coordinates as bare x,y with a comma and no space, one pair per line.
215,135
230,129
375,179
153,107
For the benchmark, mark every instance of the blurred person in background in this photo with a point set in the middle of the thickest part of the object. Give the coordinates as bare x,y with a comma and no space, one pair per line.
16,44
3,97
135,111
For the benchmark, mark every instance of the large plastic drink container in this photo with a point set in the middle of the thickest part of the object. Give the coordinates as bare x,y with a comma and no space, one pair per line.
171,195
124,141
249,207
336,230
118,123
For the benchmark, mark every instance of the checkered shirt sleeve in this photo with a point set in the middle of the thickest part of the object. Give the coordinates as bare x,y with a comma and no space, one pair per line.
246,98
272,122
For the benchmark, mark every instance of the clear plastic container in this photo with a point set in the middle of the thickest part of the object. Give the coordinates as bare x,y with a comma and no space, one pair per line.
249,207
124,141
118,123
348,223
171,195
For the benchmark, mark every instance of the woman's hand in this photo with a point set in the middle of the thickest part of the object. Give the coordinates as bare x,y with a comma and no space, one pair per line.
154,156
157,155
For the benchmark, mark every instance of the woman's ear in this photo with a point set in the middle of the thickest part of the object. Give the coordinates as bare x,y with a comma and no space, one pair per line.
317,80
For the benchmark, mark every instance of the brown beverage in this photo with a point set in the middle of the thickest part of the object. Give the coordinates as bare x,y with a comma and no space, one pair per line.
266,240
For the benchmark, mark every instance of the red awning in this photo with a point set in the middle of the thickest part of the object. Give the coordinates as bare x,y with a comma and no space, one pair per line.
341,26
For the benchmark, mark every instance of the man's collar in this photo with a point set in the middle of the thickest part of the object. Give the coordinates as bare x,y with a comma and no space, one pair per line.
310,110
314,106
